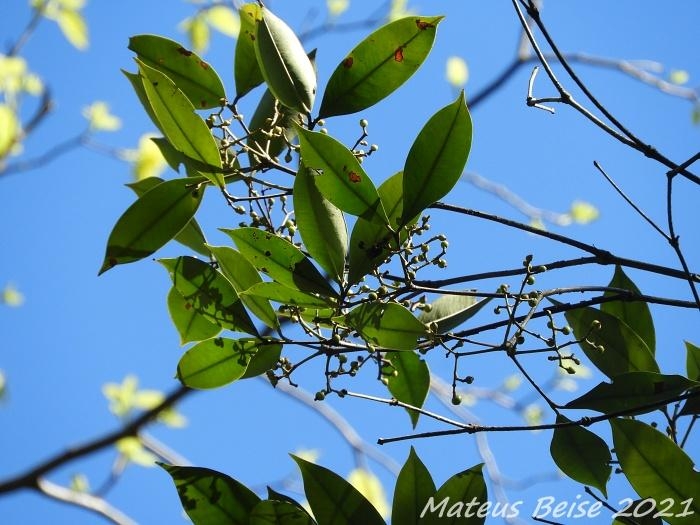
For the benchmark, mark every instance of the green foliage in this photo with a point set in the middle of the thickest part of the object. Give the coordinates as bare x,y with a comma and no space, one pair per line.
408,380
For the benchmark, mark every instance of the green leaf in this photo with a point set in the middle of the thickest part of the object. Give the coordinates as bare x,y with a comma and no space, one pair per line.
172,156
150,222
623,350
371,240
437,158
340,177
217,362
692,361
137,85
224,19
411,381
333,500
261,124
289,296
634,314
264,359
279,513
379,65
450,311
280,259
211,497
192,75
191,235
190,324
414,487
209,292
658,469
447,507
246,69
388,325
632,389
581,455
321,225
639,507
242,275
9,129
176,118
73,27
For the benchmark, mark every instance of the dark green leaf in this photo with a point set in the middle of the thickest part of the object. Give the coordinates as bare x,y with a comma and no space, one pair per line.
279,513
333,500
450,311
437,158
379,65
280,259
209,292
643,508
340,178
217,362
414,487
371,240
692,361
623,350
289,296
242,275
264,359
191,235
449,506
190,324
388,325
411,381
657,468
192,75
246,69
211,497
581,455
633,389
634,314
321,225
150,222
176,118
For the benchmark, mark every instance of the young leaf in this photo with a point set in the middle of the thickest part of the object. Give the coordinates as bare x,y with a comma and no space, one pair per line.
388,325
633,389
242,275
246,69
371,240
411,381
450,311
581,455
190,324
334,500
217,362
210,497
341,179
437,158
284,65
269,512
9,129
658,469
414,487
150,222
321,225
622,349
209,292
634,314
176,118
466,487
280,259
282,294
379,65
192,75
191,235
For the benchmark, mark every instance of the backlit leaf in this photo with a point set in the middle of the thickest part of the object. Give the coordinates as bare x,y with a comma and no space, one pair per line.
464,487
289,296
437,158
9,129
224,19
409,380
190,324
414,487
340,178
269,512
450,311
73,27
246,69
389,325
379,65
192,75
581,455
321,225
371,488
150,222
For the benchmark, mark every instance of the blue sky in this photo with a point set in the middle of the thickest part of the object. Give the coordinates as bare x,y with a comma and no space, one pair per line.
76,332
